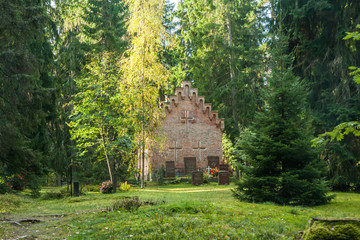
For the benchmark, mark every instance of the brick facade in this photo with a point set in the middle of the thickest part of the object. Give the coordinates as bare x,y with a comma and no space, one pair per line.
193,134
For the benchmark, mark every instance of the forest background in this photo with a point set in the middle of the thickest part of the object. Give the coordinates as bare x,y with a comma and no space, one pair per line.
80,81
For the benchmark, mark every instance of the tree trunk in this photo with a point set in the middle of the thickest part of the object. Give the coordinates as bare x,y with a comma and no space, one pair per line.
142,107
232,72
105,152
143,162
114,183
59,179
237,173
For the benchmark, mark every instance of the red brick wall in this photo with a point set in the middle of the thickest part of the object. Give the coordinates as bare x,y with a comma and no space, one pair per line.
204,127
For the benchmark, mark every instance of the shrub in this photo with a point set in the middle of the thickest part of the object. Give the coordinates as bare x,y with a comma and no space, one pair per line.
206,177
186,207
128,204
91,188
9,202
106,187
35,192
14,182
189,178
125,186
175,181
53,195
4,186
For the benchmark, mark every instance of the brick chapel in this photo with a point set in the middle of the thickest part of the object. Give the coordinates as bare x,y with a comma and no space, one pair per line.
193,135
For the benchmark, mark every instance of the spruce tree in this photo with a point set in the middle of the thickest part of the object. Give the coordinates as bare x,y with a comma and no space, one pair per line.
282,167
27,94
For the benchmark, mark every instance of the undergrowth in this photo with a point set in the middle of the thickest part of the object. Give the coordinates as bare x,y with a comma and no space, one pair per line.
9,202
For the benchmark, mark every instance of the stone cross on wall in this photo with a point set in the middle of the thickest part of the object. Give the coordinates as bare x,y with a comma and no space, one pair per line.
187,120
200,149
175,149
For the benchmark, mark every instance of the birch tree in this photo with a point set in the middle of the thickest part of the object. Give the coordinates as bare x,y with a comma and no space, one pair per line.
143,72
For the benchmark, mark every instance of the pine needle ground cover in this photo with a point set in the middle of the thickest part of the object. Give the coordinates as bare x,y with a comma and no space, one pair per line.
178,211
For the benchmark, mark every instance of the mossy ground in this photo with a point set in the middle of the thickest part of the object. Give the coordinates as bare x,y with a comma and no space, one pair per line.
340,230
181,211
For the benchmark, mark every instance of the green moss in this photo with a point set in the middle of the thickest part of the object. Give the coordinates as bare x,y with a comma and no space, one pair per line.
346,230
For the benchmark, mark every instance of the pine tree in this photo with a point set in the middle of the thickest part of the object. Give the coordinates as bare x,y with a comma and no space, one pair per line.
70,57
282,166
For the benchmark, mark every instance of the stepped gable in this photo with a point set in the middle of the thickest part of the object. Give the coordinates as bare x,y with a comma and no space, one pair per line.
186,92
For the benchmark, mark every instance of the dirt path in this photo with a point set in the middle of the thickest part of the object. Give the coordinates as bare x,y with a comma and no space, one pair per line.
33,227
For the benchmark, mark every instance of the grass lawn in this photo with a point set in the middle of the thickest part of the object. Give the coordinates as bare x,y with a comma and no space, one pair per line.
181,211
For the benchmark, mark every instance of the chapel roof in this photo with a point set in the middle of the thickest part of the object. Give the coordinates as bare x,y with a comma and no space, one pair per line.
185,92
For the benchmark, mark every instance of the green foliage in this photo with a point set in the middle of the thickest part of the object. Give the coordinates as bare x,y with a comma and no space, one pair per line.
10,202
91,188
63,62
339,132
282,167
341,179
159,175
127,204
144,73
206,177
229,151
27,88
100,120
89,31
219,49
50,195
322,59
175,181
125,186
4,188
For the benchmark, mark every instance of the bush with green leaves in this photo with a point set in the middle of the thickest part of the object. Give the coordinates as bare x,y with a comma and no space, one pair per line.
206,177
